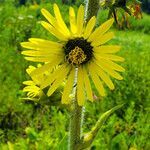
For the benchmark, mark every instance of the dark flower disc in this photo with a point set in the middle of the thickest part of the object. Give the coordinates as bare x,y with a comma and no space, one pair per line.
82,44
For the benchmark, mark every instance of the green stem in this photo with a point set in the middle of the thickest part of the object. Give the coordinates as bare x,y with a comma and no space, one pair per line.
92,7
76,116
75,125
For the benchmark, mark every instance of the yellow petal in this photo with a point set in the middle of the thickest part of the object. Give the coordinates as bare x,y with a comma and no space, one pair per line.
89,27
30,69
47,43
103,76
48,16
32,94
53,21
30,88
36,79
72,18
40,48
58,81
80,87
45,67
101,30
53,31
28,82
109,56
68,87
60,20
113,65
38,59
109,70
53,76
80,20
87,85
107,49
96,80
103,39
41,53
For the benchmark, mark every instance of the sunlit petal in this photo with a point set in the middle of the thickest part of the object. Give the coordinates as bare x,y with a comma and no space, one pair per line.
87,85
80,20
89,27
80,87
68,87
96,80
101,30
72,18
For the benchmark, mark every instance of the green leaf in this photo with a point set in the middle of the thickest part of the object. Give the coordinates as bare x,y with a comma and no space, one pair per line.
89,137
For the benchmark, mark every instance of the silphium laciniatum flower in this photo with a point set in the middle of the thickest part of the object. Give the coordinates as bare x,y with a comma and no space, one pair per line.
81,47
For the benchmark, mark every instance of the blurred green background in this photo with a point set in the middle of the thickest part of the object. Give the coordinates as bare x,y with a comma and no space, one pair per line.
26,125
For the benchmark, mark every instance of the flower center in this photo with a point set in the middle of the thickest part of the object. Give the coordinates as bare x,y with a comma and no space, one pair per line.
77,56
78,51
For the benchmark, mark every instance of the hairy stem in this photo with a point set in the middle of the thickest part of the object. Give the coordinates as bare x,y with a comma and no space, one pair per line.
76,116
75,125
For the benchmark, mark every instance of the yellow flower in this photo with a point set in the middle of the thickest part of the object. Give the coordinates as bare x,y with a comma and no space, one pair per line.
32,86
33,91
80,47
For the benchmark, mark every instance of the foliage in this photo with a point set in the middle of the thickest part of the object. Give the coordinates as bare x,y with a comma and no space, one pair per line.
29,125
134,24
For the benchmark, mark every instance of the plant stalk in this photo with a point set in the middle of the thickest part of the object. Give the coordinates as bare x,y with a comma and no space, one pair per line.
75,125
76,116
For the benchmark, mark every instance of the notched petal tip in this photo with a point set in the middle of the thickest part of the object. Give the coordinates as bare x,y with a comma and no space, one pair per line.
93,18
122,59
29,58
45,24
55,5
23,52
21,44
24,44
121,78
71,8
123,69
65,102
81,6
111,20
42,22
111,34
43,10
80,104
112,87
24,82
103,94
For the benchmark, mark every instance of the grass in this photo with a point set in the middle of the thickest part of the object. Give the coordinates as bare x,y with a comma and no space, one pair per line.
26,125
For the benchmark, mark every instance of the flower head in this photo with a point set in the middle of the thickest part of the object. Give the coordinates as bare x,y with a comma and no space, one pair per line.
32,87
80,47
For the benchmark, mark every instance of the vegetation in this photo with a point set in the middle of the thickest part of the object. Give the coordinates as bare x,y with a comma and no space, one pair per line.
42,125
